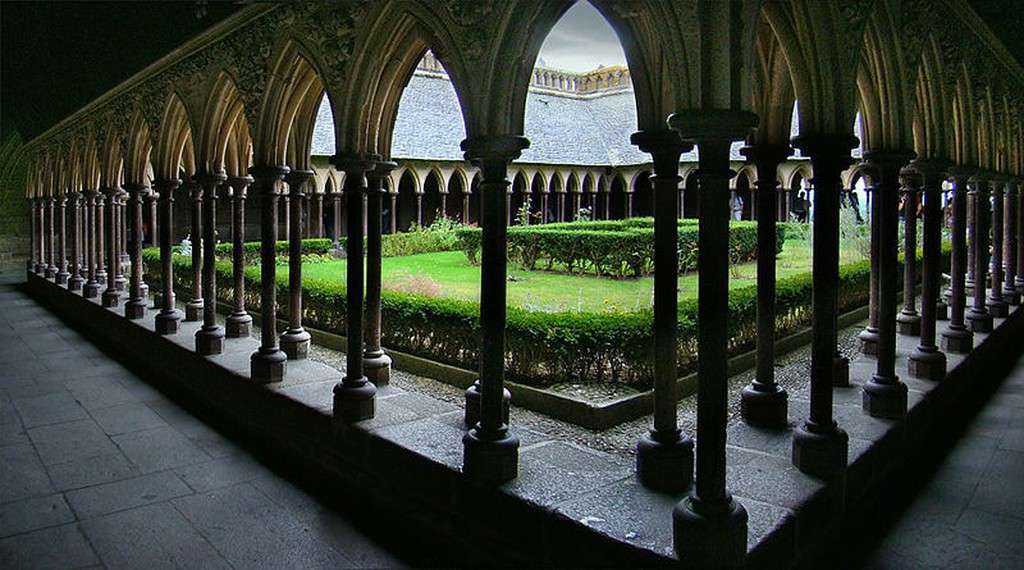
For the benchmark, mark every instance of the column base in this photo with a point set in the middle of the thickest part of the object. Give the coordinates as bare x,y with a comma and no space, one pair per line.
120,283
1018,284
143,290
377,366
1010,294
473,404
110,298
268,365
101,275
210,340
997,307
75,283
51,272
62,278
820,453
869,341
135,309
709,535
764,406
354,400
840,371
168,322
238,325
490,459
908,323
295,343
194,310
158,299
91,290
664,464
979,320
941,311
885,398
39,269
958,341
927,363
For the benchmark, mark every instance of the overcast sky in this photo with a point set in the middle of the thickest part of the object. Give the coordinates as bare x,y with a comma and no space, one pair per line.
581,41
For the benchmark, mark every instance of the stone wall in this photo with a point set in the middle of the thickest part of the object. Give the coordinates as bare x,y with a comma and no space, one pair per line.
14,209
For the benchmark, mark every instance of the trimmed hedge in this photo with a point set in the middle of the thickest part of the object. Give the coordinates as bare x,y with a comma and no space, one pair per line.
392,245
251,249
542,348
616,248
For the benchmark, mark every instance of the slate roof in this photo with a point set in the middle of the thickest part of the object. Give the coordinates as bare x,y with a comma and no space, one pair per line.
563,130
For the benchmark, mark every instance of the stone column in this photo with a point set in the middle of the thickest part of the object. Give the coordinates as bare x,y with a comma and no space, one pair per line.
239,323
194,308
997,306
979,317
33,216
295,340
820,445
120,281
75,281
354,396
561,206
209,337
869,336
927,361
269,362
376,363
709,526
286,206
168,319
490,449
99,233
50,228
111,296
1018,236
151,201
664,457
971,207
763,402
908,322
465,209
1010,293
92,285
884,395
135,307
62,241
318,215
957,337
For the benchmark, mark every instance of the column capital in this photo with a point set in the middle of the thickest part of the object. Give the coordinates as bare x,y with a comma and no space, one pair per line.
209,180
380,171
136,188
712,125
238,185
911,180
494,147
351,162
165,185
931,168
660,141
268,178
296,180
774,154
829,150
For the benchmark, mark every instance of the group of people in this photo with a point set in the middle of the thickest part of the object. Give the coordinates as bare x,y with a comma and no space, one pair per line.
800,206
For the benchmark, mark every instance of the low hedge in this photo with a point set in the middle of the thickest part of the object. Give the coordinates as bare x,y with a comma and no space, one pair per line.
392,245
541,348
251,249
618,248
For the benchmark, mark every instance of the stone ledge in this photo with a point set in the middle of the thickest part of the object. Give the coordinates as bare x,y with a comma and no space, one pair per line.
570,505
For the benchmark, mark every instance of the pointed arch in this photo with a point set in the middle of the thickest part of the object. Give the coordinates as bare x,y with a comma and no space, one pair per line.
173,150
223,123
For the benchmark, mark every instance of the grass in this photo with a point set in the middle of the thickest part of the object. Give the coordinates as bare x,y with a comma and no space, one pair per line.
450,275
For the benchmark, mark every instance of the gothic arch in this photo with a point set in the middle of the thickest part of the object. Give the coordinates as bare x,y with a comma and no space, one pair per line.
173,149
223,122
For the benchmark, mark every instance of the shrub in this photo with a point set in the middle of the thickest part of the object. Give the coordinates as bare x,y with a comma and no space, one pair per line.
620,248
251,249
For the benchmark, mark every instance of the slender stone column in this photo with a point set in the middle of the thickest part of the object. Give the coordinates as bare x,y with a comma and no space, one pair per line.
98,226
958,338
997,306
151,203
1010,293
33,217
1018,236
295,340
239,323
971,206
709,526
209,337
168,319
111,296
92,285
664,457
927,361
979,317
869,336
51,265
120,281
75,281
62,241
376,362
194,308
318,213
490,449
135,307
884,394
354,397
269,362
763,402
820,445
908,321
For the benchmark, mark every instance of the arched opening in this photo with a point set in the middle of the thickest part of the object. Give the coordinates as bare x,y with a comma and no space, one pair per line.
617,198
432,201
456,200
572,191
473,216
519,201
407,205
538,200
691,196
327,212
556,198
743,205
800,199
643,195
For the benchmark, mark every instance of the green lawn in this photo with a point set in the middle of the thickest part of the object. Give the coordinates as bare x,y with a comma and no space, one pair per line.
449,274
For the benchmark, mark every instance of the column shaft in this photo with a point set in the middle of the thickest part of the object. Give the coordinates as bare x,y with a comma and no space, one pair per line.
111,296
209,338
1010,293
997,306
239,323
168,319
268,363
376,363
958,337
927,361
295,341
194,307
908,321
979,317
135,308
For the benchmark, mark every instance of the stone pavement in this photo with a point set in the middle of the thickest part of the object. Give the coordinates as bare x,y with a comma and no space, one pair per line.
99,469
971,513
